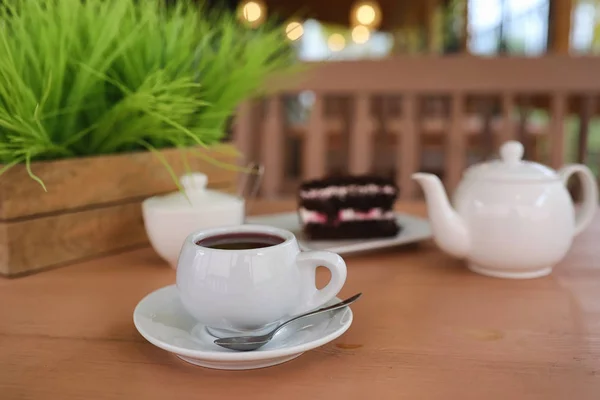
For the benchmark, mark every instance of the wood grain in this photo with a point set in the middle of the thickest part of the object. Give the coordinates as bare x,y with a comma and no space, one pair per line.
426,328
89,181
92,207
54,240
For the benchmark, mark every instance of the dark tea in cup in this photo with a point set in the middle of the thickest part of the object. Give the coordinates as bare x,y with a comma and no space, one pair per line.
240,241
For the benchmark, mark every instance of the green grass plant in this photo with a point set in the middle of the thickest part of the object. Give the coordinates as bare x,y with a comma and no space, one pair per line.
82,78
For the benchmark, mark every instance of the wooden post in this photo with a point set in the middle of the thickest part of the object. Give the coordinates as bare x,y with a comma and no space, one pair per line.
508,125
243,130
586,114
455,143
409,151
361,136
272,148
557,130
242,137
314,151
559,26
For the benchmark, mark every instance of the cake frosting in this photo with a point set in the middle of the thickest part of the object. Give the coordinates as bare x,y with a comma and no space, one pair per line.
346,214
342,191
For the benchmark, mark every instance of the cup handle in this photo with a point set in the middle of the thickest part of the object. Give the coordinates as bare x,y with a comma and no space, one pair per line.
586,213
307,262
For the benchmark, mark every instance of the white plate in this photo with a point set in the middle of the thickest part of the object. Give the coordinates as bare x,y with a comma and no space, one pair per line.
160,318
414,229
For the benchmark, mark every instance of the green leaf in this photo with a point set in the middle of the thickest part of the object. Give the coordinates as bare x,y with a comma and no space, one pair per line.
91,77
31,174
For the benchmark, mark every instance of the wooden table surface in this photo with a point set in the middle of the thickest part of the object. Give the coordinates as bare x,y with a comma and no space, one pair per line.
426,328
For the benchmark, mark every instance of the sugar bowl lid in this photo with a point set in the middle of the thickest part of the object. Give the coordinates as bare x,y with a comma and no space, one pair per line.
511,167
195,195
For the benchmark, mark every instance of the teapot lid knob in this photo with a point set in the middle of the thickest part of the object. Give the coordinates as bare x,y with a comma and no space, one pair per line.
511,152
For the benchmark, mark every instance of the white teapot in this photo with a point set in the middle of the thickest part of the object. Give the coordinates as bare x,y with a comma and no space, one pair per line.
511,218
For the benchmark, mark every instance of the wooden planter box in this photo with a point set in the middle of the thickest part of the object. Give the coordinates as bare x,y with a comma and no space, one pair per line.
92,207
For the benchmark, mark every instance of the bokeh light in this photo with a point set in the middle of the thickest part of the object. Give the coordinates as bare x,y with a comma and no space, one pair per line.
336,42
252,12
361,34
366,13
294,30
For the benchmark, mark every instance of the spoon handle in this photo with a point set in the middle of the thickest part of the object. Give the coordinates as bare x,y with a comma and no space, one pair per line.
335,306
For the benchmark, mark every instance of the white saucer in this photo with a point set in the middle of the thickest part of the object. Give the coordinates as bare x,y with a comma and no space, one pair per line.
414,229
160,318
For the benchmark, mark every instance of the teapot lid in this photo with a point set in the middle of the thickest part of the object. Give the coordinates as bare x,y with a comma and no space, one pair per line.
195,196
511,167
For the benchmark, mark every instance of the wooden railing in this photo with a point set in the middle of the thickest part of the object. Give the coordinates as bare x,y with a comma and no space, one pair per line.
560,85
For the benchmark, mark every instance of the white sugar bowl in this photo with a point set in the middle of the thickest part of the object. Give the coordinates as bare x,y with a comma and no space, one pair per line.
169,219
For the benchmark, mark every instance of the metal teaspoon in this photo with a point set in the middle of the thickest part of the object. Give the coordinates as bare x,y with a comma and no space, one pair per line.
249,343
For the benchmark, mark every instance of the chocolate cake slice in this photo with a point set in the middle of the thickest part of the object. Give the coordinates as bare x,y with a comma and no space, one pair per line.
348,207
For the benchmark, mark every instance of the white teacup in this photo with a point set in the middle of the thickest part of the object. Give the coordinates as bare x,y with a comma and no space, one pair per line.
246,291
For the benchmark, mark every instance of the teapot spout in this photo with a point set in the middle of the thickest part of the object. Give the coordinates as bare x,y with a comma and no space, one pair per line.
450,232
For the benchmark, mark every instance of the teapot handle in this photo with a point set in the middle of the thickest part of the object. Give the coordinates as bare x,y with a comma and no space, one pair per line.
586,213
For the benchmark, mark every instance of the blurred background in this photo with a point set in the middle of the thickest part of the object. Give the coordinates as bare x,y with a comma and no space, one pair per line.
516,68
481,27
